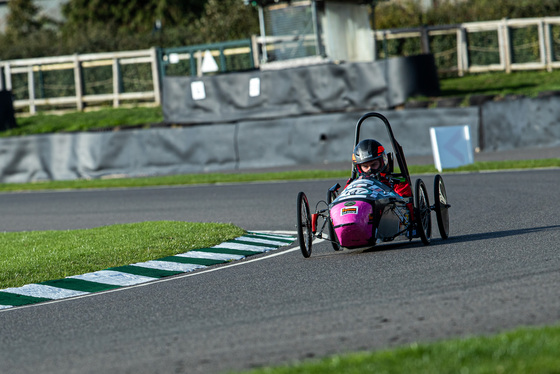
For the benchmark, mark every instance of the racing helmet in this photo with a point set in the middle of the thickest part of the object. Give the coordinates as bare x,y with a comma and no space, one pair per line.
369,150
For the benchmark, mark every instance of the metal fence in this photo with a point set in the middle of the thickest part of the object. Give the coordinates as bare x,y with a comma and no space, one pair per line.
234,55
504,45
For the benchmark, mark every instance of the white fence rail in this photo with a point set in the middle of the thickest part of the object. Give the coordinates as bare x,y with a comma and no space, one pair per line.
545,43
30,68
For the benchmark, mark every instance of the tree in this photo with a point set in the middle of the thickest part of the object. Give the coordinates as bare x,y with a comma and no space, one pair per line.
22,18
130,15
226,20
92,26
27,33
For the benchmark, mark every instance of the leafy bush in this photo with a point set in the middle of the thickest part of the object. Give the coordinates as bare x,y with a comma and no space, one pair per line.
408,13
101,26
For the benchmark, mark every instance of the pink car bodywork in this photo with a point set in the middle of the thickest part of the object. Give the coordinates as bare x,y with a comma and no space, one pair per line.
353,222
365,211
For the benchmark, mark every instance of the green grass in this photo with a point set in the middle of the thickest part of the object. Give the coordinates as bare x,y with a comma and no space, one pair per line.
173,180
35,256
528,83
77,121
523,351
217,178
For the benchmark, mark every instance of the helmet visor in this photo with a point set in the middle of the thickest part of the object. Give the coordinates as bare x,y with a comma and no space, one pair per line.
373,166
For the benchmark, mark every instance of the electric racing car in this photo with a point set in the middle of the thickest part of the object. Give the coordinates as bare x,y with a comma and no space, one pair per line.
368,211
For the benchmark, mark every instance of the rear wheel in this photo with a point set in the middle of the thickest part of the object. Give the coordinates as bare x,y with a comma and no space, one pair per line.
422,212
332,234
441,207
305,235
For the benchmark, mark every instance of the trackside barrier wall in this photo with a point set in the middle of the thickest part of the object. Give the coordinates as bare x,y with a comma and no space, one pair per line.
522,123
305,139
322,138
119,153
329,138
298,91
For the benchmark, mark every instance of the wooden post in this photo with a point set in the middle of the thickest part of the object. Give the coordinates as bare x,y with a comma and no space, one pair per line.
462,51
547,44
78,83
116,82
255,51
31,89
424,40
8,75
505,46
155,75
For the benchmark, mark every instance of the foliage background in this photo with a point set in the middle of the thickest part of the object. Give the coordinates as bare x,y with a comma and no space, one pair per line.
409,13
102,26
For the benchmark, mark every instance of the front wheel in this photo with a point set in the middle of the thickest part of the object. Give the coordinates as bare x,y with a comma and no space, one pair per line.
441,207
305,235
332,234
422,212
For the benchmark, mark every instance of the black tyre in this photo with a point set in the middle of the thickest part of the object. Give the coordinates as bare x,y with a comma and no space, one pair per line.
422,212
441,207
332,234
305,235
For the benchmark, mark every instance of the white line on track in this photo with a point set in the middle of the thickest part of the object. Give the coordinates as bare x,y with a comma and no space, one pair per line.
267,256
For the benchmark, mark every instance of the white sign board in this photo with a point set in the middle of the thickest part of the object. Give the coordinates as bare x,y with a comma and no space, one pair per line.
197,90
173,58
209,65
254,87
451,146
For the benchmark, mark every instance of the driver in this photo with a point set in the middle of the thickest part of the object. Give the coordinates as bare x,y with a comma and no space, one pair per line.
370,160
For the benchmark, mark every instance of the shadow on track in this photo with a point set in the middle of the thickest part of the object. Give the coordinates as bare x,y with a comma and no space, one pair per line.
402,244
497,234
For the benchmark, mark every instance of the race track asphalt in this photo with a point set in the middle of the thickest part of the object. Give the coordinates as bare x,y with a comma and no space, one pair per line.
499,270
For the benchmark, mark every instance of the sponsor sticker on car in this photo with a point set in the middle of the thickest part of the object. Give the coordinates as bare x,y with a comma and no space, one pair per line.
349,210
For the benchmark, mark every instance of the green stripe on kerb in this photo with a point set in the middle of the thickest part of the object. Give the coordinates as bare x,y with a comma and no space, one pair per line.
190,260
79,285
8,298
255,244
283,238
146,272
228,251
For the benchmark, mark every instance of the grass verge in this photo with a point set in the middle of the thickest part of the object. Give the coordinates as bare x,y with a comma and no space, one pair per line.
109,118
215,178
36,256
527,83
524,350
